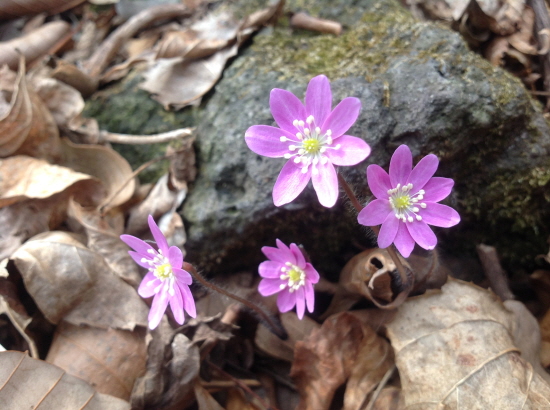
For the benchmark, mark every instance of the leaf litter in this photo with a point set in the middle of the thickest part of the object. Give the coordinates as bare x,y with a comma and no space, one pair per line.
67,292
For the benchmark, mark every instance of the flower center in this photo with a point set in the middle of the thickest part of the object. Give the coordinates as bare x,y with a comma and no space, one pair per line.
295,277
162,269
310,145
406,205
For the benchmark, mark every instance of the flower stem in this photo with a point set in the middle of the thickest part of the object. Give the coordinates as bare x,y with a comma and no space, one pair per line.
391,250
272,324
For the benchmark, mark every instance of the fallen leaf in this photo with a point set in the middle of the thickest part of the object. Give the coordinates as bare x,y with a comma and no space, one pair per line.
454,350
26,126
204,399
35,44
307,22
103,163
30,383
109,359
10,9
68,281
340,349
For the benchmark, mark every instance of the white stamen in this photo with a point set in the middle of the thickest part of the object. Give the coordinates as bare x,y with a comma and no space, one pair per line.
287,156
418,218
309,119
295,123
317,130
423,205
292,147
283,139
301,123
306,131
410,218
297,160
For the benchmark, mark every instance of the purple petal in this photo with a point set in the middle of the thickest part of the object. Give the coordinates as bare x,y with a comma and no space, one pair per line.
175,257
388,231
352,151
422,234
286,252
310,296
136,244
439,215
188,300
400,165
298,255
300,302
176,304
159,237
319,99
290,183
286,300
325,183
437,189
268,287
312,275
158,307
270,269
148,284
285,108
342,117
182,276
379,181
423,171
375,212
137,257
278,255
403,241
265,140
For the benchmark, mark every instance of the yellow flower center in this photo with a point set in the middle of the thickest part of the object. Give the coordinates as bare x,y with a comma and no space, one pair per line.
405,205
311,146
163,271
294,276
401,202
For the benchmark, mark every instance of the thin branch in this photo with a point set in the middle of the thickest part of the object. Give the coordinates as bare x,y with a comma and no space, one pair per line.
106,136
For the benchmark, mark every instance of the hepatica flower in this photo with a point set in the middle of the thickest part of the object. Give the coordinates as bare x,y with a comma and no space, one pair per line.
288,274
312,138
407,202
165,280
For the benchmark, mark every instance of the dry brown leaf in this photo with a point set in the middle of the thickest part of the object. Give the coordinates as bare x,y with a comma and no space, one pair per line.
104,239
103,163
501,17
454,350
173,362
204,399
34,45
30,383
343,347
68,281
188,44
23,178
10,9
388,399
110,360
523,39
26,125
297,330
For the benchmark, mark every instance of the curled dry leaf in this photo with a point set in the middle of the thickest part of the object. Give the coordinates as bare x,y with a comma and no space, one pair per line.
35,44
68,281
29,383
173,362
205,399
109,359
10,9
297,330
343,348
103,163
26,125
454,350
105,240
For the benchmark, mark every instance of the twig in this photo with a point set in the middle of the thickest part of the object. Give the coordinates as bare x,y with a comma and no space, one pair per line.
494,272
379,388
542,22
105,53
106,136
307,22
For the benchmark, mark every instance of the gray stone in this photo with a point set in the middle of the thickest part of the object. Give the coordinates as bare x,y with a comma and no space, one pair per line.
419,85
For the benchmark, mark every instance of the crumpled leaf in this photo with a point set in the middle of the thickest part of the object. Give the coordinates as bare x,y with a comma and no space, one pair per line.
35,44
68,281
109,359
30,383
454,350
103,163
26,125
343,348
23,178
173,362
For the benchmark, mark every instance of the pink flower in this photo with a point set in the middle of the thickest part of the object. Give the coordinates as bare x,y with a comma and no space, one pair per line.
311,138
288,274
166,280
407,202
